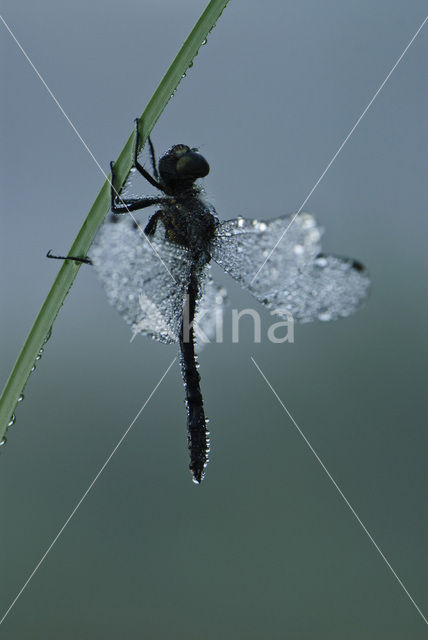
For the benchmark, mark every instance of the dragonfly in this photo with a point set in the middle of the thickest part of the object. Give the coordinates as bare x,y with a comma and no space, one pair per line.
159,281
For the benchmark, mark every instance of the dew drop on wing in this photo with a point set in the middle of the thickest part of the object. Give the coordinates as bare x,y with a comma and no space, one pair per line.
144,279
297,278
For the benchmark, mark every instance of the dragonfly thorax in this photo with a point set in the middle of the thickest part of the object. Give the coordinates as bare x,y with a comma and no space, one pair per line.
190,223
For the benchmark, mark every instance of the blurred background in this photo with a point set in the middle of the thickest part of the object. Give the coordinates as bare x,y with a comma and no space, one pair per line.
265,547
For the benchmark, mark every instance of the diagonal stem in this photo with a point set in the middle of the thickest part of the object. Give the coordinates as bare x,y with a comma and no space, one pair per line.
65,278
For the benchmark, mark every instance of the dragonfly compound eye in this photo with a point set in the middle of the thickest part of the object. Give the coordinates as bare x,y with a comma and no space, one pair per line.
192,165
182,163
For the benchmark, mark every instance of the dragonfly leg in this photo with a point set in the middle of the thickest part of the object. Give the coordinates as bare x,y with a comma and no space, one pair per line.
74,258
125,205
140,167
153,223
153,158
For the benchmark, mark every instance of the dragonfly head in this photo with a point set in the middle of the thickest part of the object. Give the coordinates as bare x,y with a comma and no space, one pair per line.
182,165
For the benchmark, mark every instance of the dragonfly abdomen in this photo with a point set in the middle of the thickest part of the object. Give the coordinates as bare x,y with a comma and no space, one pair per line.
196,421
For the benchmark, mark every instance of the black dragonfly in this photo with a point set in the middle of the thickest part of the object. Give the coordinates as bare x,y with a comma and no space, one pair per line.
160,283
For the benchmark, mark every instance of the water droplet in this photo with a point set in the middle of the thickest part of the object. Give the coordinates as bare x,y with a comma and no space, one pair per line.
48,335
3,441
205,41
38,357
324,316
321,261
298,249
308,221
21,397
240,222
314,235
33,368
262,226
12,420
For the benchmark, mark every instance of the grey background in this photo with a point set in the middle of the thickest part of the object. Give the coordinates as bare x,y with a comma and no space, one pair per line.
265,548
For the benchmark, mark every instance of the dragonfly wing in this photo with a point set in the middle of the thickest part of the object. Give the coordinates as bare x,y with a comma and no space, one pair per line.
297,278
209,310
145,280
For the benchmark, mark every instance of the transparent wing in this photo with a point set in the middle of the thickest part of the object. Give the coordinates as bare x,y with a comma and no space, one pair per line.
297,278
147,283
209,315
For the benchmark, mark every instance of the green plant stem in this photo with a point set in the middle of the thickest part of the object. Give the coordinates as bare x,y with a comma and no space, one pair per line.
64,280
